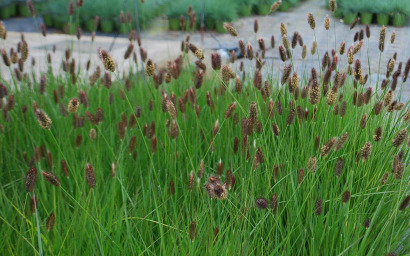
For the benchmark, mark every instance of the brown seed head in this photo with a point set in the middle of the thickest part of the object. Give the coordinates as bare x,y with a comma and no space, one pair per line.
318,206
311,21
51,178
230,29
192,230
108,61
90,176
261,203
366,151
346,196
404,203
327,22
50,221
43,120
30,179
275,6
382,38
400,138
332,5
327,147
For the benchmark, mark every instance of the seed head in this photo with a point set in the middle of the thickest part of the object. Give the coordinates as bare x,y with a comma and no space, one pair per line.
51,178
50,221
363,121
90,176
274,203
3,31
393,37
311,21
229,111
366,151
327,147
382,38
406,116
30,179
43,120
312,164
192,230
318,206
191,181
327,22
275,129
275,6
150,68
332,5
230,29
405,203
339,167
108,61
314,93
388,98
72,105
346,196
355,22
400,137
261,203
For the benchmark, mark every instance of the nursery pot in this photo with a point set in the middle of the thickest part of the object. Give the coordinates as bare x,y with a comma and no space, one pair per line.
23,10
245,10
366,17
124,28
173,24
284,7
263,9
58,23
89,25
107,26
13,9
4,12
349,18
383,19
399,19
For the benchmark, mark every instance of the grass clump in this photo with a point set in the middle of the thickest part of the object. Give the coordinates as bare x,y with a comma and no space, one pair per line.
202,159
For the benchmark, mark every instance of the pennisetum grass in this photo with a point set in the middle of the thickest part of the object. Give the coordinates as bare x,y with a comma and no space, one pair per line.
306,163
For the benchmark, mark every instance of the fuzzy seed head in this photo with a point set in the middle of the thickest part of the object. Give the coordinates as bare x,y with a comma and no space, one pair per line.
405,203
314,93
311,21
72,105
366,151
51,178
43,120
90,176
30,179
318,206
150,68
261,203
332,5
388,98
230,29
346,196
400,138
275,6
108,61
327,147
312,164
327,22
382,38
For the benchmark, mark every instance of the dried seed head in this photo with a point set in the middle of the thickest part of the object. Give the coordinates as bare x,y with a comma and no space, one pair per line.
108,61
312,164
50,221
192,230
400,138
332,96
301,173
229,111
363,121
382,38
191,181
215,189
327,22
43,120
275,6
339,167
72,105
355,22
90,176
406,116
366,151
332,5
283,29
313,48
318,206
30,179
51,178
261,203
404,203
388,98
327,147
377,136
311,21
230,29
150,68
393,37
171,109
346,196
3,31
282,53
314,93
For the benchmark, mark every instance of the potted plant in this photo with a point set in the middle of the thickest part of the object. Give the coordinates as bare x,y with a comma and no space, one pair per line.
107,25
245,7
5,10
263,7
383,19
366,17
284,6
399,19
349,18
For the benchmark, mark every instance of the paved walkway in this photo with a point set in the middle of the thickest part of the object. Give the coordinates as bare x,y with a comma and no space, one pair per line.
163,45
